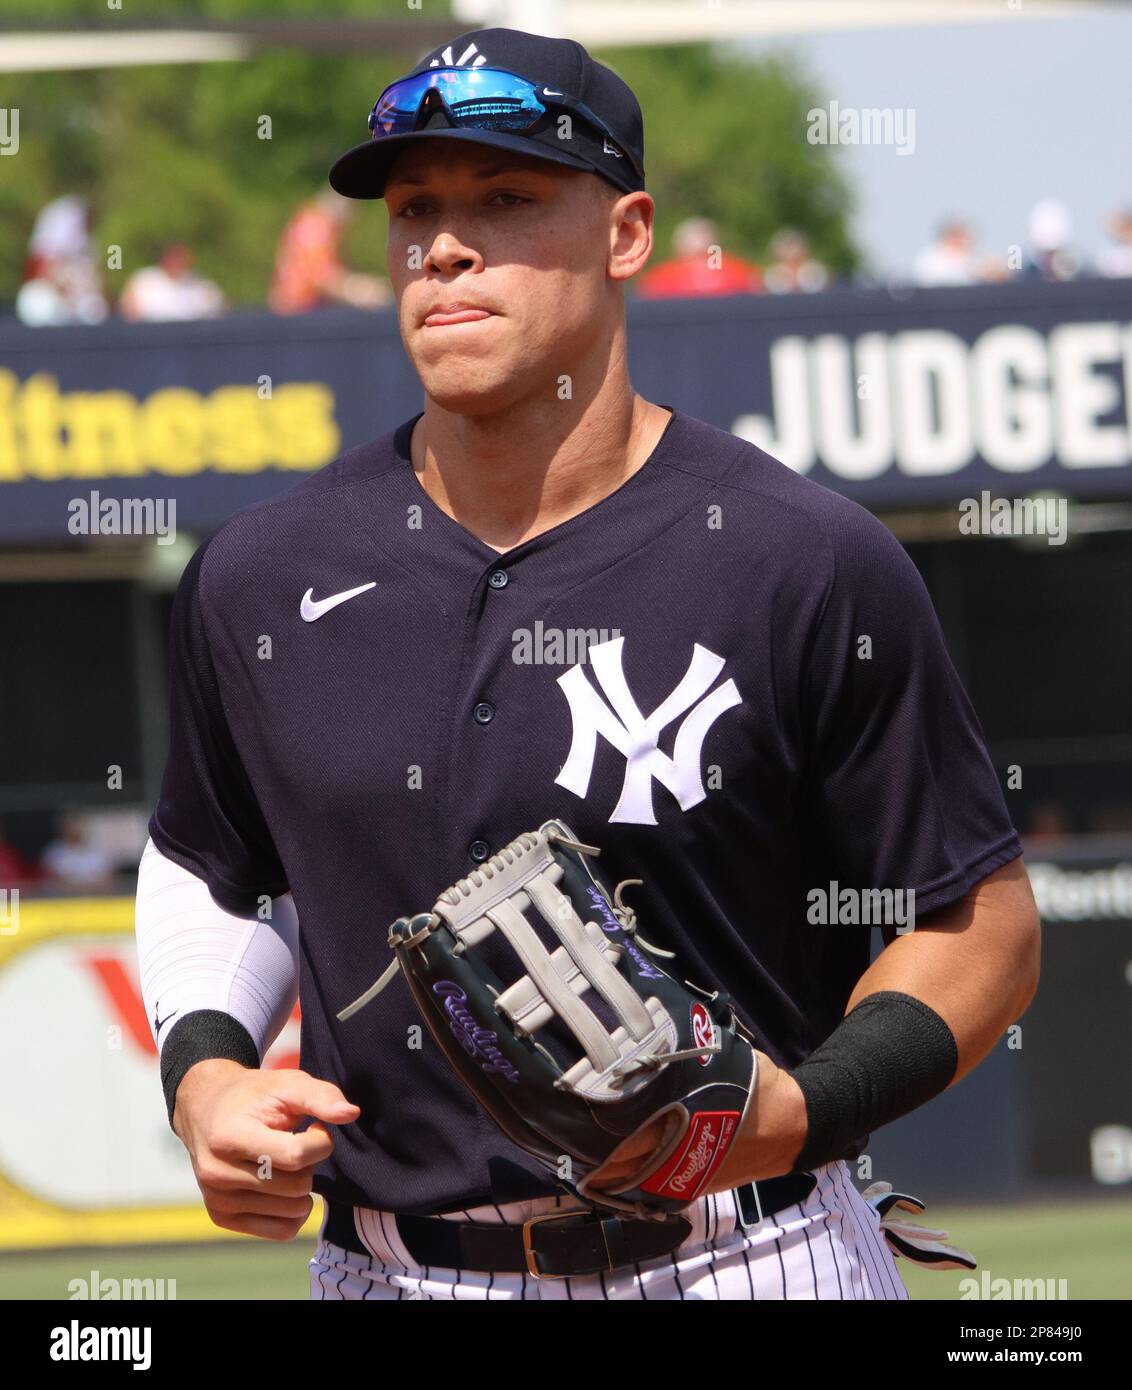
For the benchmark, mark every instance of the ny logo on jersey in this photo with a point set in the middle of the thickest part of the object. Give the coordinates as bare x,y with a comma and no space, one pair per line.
471,55
635,736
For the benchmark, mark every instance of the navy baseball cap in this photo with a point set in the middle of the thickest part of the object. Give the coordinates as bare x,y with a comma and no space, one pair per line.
563,76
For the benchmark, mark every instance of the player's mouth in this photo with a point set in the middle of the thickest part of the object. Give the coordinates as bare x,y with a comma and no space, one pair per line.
455,313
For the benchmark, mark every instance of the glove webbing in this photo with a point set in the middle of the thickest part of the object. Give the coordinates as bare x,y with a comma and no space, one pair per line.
493,898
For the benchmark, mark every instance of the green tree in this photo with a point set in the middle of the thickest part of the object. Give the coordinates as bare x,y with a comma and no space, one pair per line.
725,138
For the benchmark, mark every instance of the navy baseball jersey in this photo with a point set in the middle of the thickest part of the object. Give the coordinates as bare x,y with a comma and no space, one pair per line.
726,676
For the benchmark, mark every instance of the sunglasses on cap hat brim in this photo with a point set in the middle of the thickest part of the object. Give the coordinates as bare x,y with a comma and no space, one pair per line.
477,99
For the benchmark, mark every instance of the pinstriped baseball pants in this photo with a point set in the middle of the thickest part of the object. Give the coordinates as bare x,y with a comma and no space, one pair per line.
828,1247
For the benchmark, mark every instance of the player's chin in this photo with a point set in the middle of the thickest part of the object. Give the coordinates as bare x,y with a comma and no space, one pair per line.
468,389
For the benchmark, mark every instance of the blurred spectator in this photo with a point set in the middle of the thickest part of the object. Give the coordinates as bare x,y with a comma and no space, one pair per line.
61,283
73,862
948,260
1112,820
1051,255
793,270
699,267
1116,260
308,271
1048,824
15,870
170,290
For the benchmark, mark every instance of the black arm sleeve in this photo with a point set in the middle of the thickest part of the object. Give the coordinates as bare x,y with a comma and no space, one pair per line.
885,1058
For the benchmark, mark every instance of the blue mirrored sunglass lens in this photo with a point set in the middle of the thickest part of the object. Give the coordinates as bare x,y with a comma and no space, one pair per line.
492,100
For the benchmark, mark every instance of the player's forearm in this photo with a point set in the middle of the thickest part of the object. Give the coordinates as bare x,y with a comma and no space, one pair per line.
215,984
198,1080
772,1134
974,963
929,1009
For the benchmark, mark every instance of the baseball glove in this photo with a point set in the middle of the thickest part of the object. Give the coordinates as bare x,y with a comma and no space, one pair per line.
627,1085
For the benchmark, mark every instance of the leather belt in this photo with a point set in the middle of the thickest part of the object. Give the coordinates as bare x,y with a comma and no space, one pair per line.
559,1244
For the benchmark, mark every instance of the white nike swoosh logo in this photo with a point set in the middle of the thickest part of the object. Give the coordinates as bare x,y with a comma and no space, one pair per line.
312,609
548,93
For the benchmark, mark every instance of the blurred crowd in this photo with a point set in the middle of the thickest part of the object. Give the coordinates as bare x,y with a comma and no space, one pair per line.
953,257
73,861
64,281
699,266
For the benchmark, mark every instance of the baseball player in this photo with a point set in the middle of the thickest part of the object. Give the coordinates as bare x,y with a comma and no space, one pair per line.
544,596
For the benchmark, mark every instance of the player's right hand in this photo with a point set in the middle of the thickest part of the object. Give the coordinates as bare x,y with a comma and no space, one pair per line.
238,1124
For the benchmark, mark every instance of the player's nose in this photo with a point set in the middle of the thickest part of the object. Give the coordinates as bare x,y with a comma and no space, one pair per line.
450,253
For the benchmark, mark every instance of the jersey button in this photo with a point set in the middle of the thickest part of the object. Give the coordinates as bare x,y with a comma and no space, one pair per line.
498,579
483,713
478,850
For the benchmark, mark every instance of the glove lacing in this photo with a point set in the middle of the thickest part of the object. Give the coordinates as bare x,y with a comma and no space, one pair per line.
628,919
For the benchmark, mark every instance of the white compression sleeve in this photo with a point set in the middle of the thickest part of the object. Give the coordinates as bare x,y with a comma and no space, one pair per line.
193,954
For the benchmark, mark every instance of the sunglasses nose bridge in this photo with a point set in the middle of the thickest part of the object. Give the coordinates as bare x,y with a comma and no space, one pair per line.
433,100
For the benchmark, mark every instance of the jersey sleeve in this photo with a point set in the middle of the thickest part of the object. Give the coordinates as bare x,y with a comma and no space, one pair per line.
901,787
208,819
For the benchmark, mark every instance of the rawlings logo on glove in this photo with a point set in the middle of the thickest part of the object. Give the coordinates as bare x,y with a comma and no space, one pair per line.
476,1041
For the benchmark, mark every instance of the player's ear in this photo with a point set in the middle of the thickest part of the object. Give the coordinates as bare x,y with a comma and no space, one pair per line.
630,231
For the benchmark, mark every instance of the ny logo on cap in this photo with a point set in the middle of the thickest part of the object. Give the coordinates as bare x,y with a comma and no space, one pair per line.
471,55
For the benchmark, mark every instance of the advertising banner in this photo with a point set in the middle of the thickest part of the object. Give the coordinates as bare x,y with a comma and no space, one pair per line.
87,1156
895,398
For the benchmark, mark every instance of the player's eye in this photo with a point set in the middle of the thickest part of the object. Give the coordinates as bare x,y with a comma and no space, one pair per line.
421,207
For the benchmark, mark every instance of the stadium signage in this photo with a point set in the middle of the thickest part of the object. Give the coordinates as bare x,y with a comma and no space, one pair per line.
927,403
899,399
49,434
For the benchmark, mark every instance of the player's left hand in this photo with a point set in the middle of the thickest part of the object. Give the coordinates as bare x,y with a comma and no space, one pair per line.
772,1133
770,1139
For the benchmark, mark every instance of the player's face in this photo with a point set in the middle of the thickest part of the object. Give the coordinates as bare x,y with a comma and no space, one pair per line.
518,251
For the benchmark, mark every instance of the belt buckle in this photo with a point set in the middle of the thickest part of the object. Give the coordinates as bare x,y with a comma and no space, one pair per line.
753,1188
532,1254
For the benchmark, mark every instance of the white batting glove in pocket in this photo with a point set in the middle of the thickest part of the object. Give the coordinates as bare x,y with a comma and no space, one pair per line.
920,1244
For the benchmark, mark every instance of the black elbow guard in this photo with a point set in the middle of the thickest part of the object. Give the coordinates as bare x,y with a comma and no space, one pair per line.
199,1037
885,1058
